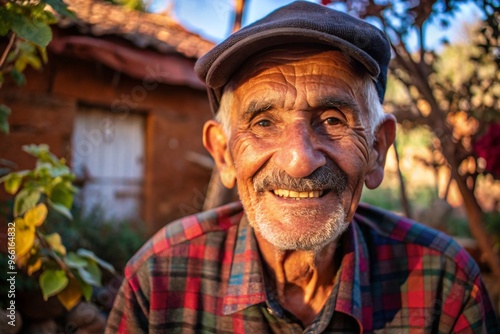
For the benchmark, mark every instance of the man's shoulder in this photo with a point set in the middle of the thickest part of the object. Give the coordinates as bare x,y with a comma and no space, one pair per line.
388,229
188,229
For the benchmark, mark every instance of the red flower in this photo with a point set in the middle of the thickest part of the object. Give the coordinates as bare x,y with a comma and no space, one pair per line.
488,148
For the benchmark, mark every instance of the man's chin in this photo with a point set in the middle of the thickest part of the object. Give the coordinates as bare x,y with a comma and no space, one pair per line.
299,231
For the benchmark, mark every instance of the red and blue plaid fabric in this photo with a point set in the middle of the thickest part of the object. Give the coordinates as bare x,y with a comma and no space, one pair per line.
203,274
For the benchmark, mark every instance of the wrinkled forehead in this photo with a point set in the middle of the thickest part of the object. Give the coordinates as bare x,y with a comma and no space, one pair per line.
292,56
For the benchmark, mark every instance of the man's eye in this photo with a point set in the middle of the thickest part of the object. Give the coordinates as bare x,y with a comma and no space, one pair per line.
264,123
332,121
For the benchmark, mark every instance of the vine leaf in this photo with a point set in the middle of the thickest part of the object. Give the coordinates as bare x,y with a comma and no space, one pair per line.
91,274
37,32
36,216
61,209
75,261
52,282
12,182
25,237
25,200
91,256
71,295
54,240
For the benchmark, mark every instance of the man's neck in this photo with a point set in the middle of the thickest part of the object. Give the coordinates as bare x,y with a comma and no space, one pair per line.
302,279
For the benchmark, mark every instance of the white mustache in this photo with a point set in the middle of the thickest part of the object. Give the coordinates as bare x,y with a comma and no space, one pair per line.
323,178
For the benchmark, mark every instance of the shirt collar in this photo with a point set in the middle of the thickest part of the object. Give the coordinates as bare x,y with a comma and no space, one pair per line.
353,278
246,285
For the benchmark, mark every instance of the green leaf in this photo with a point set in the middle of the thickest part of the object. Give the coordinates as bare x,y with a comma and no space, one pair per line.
12,182
86,291
91,274
59,170
4,118
25,199
34,149
41,152
52,282
60,7
50,18
36,31
86,288
61,209
90,255
4,27
18,77
6,21
42,168
75,261
62,194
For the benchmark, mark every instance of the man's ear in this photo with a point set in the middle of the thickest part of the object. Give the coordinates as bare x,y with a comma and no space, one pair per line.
216,142
383,139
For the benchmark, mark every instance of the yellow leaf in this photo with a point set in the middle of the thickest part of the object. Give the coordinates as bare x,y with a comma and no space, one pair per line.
54,241
32,268
71,295
36,215
34,61
25,237
21,63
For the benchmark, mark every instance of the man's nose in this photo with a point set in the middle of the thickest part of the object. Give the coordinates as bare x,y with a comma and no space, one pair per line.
299,154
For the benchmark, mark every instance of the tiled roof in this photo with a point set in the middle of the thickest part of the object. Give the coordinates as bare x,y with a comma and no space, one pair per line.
145,30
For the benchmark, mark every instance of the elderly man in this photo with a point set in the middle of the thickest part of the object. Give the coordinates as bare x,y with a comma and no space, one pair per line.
299,129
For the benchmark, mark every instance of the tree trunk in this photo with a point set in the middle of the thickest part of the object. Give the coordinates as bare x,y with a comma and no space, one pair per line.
473,210
402,188
436,121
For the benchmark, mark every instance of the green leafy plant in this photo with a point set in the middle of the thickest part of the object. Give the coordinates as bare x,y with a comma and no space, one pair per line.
25,25
67,275
114,240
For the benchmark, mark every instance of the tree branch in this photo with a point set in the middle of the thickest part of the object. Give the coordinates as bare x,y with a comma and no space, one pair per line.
402,188
7,49
239,7
421,38
56,257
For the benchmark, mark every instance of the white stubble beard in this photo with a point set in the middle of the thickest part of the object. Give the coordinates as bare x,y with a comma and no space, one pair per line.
314,239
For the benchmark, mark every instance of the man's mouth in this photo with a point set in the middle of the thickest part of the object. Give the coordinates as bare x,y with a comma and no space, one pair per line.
298,194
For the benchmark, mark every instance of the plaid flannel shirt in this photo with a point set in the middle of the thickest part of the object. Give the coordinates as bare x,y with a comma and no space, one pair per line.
203,274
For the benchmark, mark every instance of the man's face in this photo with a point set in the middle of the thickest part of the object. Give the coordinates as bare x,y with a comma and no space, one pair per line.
298,148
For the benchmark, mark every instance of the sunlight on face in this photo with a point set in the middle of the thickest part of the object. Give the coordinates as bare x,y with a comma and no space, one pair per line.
296,113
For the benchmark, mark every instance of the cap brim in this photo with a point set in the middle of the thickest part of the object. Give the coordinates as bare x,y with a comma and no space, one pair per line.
228,62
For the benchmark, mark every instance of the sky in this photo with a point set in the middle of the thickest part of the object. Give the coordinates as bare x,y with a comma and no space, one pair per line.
213,19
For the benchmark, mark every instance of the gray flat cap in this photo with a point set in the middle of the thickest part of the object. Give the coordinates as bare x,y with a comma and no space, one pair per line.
298,22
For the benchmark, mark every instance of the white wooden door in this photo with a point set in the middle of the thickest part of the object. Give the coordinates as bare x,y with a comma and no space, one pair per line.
108,156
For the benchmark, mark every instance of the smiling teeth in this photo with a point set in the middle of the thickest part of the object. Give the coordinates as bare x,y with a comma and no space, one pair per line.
298,194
